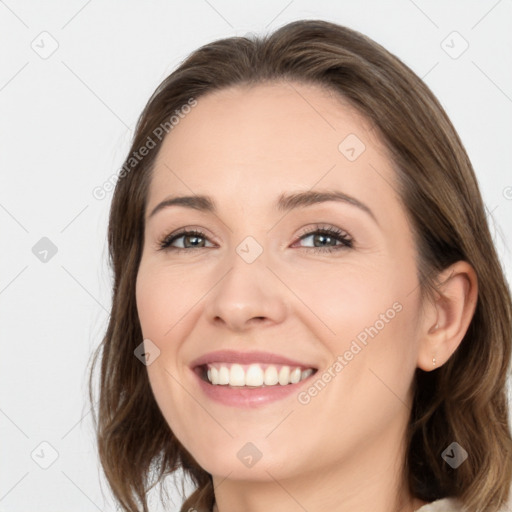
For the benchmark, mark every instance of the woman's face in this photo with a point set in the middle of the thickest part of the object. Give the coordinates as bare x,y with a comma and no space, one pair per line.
277,278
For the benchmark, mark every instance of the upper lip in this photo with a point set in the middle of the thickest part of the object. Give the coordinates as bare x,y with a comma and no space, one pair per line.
232,356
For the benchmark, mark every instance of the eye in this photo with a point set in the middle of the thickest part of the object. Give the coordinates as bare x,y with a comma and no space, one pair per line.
328,237
192,239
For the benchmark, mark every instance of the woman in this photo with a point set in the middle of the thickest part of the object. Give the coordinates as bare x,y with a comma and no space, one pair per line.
308,309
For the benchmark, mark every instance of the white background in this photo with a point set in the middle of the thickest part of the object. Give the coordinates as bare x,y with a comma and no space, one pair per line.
65,126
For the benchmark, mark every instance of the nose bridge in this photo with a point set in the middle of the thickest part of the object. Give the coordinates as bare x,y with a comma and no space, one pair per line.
247,289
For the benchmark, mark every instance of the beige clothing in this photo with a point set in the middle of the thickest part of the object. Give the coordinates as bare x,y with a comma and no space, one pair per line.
451,505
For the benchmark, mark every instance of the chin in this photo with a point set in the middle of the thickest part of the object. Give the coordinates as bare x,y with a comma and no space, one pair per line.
244,460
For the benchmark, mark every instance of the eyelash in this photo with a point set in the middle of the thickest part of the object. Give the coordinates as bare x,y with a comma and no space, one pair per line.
346,241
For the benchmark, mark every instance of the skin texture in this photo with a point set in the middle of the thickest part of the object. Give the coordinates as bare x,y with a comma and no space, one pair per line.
342,451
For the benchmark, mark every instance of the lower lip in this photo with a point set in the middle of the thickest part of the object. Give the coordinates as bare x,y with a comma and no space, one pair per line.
248,397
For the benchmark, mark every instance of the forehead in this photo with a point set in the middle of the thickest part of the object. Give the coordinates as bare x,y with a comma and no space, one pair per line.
248,144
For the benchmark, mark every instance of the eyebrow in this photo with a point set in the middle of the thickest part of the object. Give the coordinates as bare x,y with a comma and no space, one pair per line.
285,202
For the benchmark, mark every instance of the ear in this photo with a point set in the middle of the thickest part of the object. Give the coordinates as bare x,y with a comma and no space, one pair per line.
446,320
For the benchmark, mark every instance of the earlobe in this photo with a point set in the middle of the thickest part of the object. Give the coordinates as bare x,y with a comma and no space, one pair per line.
448,319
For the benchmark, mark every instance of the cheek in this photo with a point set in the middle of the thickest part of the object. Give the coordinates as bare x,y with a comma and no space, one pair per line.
163,297
343,301
160,304
367,316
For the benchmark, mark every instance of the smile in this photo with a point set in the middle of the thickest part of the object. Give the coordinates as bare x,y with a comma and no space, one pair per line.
249,379
254,375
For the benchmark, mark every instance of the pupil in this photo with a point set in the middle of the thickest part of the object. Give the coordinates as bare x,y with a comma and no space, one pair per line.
192,237
323,237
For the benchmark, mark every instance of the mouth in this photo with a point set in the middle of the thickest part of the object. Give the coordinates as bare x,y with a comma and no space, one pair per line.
249,379
252,376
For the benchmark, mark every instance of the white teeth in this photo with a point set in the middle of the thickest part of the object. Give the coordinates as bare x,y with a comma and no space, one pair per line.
306,374
237,375
284,375
295,376
224,375
271,377
254,375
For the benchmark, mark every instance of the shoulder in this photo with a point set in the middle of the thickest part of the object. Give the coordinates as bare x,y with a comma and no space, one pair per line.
448,505
443,505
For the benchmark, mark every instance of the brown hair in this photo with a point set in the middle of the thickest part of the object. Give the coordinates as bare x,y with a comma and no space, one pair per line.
463,400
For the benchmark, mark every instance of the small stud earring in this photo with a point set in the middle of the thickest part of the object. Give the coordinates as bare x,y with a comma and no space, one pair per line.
433,361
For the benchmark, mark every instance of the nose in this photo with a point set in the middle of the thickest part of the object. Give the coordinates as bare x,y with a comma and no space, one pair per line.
248,295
